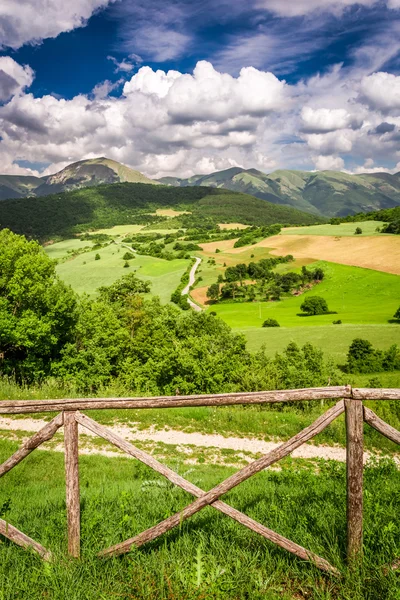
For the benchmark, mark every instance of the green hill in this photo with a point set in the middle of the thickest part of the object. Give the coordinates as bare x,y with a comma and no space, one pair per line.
127,203
18,186
85,173
323,193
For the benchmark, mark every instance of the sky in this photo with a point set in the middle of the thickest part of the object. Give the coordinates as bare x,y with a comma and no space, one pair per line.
180,87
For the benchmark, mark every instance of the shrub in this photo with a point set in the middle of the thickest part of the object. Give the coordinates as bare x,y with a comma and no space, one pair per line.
315,305
128,256
126,264
338,322
397,314
217,251
270,323
358,231
97,257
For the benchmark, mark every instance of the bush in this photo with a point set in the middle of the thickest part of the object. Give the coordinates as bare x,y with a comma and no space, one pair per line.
126,264
358,231
397,314
338,322
128,256
271,323
315,305
97,257
363,358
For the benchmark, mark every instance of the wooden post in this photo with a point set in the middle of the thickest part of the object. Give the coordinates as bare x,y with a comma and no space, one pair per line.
355,466
72,483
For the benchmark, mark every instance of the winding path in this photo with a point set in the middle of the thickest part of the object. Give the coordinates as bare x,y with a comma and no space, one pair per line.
192,279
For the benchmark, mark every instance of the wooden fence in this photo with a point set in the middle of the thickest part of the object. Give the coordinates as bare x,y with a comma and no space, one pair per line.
349,401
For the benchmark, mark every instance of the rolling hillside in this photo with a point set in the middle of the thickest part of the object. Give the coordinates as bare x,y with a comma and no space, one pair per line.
85,173
324,193
127,203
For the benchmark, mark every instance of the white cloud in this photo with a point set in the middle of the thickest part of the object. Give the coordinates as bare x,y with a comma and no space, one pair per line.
381,91
328,163
31,21
295,8
14,78
324,120
172,123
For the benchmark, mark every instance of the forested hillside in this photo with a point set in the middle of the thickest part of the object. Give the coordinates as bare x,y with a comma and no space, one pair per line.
126,203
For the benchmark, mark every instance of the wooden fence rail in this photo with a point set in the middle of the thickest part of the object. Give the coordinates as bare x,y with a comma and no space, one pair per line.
350,402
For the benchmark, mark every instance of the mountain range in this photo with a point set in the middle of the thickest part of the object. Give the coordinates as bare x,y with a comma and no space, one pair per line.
320,193
323,193
85,173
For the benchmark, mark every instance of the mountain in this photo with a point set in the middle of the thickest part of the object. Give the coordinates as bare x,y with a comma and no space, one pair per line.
323,193
85,173
65,214
18,186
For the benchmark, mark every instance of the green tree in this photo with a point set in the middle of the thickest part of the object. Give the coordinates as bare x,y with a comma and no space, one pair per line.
270,323
97,257
397,314
213,292
358,231
128,256
314,305
37,310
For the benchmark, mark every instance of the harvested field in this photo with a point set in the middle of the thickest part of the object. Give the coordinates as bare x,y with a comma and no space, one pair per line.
232,226
378,253
169,212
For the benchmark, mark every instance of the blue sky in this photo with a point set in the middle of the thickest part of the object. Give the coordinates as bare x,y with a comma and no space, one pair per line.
326,71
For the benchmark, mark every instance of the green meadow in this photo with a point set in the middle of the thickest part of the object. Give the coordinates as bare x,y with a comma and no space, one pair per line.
359,296
85,274
344,229
207,557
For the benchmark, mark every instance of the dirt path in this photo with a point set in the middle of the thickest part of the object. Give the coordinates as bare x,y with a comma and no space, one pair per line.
192,279
180,438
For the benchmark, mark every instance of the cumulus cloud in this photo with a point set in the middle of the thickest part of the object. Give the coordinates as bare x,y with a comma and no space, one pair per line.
381,91
324,120
328,163
173,123
31,21
14,78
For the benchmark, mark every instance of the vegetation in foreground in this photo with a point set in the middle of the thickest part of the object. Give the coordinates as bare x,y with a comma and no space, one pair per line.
207,557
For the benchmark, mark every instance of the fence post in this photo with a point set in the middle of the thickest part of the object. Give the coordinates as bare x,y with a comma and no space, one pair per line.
72,483
354,459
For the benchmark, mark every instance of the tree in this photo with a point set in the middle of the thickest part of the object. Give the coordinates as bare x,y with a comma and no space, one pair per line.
315,305
358,231
126,264
97,257
123,288
270,323
213,292
37,310
128,256
397,314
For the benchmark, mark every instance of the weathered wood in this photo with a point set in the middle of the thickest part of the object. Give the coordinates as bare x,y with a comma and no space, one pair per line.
384,428
197,492
72,483
32,406
355,467
45,434
19,538
224,487
376,394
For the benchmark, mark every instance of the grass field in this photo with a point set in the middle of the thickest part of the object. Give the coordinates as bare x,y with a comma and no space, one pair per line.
207,557
86,275
334,339
344,229
358,295
61,249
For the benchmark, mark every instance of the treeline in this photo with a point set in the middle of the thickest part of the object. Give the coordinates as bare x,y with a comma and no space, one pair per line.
104,206
254,234
269,286
390,216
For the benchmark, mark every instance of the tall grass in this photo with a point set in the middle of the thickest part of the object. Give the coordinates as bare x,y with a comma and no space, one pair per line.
209,556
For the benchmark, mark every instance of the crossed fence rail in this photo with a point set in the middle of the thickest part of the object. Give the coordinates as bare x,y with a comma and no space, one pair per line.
350,402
